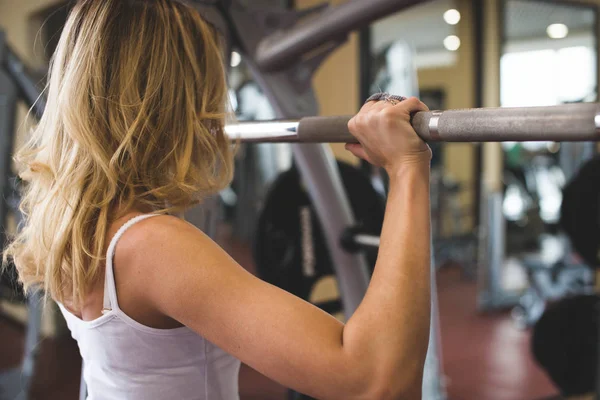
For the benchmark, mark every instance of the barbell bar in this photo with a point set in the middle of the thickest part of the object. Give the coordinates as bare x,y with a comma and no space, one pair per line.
562,123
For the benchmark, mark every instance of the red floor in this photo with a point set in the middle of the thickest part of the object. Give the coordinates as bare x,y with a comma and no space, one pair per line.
484,357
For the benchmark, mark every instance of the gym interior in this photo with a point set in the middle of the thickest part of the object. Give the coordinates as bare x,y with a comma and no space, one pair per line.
514,310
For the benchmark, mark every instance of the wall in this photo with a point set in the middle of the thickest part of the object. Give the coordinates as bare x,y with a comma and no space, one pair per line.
458,82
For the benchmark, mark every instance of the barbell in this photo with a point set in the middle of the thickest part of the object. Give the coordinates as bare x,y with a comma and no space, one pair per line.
561,123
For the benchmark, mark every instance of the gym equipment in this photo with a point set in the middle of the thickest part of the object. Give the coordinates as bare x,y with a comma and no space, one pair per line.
281,49
289,248
15,85
580,212
562,123
522,215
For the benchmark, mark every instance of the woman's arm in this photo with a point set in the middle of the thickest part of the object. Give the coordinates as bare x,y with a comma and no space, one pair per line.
392,322
379,353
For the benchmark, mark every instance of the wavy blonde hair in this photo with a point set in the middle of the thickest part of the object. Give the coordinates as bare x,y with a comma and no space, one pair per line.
136,105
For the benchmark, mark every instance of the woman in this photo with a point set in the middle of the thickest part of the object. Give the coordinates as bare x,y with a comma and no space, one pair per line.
133,135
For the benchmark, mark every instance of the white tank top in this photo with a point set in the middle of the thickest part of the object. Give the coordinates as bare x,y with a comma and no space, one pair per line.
126,360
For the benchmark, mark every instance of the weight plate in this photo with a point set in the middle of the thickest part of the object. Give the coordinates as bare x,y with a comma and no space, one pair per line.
289,248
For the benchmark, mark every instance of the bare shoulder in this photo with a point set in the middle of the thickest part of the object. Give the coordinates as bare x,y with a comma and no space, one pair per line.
166,259
160,238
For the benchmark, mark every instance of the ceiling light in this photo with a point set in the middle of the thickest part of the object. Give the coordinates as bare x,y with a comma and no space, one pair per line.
452,17
236,59
452,43
557,31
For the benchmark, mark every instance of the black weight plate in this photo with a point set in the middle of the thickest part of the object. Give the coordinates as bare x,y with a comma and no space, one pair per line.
580,212
278,241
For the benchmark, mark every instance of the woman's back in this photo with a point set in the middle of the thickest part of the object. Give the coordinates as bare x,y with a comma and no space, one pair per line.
124,359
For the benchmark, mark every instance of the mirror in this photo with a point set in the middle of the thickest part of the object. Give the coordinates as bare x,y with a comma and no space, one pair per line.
548,57
425,51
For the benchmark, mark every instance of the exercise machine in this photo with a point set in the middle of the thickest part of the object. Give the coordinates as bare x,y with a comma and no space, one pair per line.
15,85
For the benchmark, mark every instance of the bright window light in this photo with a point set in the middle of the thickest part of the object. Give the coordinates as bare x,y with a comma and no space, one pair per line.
452,17
452,43
557,31
236,59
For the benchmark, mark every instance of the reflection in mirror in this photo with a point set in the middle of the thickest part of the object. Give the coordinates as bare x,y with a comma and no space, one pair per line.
417,53
549,54
549,57
421,38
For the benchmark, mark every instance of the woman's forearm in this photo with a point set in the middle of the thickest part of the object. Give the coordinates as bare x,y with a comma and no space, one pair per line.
390,329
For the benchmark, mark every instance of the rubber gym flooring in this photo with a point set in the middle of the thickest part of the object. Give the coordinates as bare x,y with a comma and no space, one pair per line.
484,356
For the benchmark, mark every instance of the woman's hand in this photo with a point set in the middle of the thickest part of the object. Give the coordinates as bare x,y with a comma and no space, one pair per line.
387,139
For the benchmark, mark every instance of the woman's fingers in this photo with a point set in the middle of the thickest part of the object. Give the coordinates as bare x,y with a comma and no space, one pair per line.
412,105
358,151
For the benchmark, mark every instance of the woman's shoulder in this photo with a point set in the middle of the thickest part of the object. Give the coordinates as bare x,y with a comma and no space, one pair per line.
151,229
157,238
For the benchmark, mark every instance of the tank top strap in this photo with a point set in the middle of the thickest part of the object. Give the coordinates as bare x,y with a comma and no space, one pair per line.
110,289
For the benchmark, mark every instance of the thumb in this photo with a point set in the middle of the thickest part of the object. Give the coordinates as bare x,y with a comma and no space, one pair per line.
358,151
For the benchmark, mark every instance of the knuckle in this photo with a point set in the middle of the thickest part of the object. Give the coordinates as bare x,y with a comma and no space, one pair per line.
388,117
389,113
360,120
352,124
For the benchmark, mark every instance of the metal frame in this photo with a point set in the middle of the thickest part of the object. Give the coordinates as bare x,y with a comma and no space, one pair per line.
15,84
284,72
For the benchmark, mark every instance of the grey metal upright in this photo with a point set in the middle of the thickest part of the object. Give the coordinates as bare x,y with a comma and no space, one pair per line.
9,95
287,81
291,95
10,380
434,385
491,294
321,177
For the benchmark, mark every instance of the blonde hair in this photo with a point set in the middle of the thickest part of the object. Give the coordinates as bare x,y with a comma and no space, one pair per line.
136,104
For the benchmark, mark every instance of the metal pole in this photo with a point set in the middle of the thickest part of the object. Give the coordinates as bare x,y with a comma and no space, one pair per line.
562,123
330,201
280,50
26,84
8,109
434,387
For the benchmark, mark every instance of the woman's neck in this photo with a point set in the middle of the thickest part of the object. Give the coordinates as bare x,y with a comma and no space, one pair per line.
120,210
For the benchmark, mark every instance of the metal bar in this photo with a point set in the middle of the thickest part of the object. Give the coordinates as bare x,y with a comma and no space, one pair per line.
26,84
9,97
283,49
272,131
562,123
82,383
324,185
367,240
433,382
